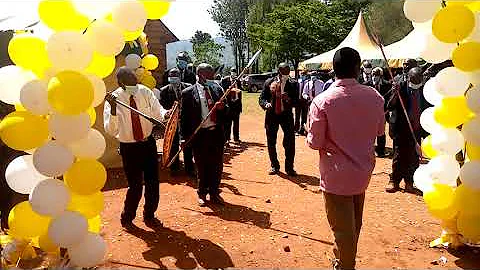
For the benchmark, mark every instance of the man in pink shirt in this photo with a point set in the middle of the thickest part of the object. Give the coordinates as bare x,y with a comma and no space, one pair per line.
344,122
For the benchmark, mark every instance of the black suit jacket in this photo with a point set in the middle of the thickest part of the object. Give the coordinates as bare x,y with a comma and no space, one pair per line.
168,95
291,88
191,114
384,88
234,106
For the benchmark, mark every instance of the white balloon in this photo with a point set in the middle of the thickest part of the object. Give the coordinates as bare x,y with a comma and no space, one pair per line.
106,38
473,99
451,82
470,174
133,61
94,9
12,79
99,89
129,15
444,170
22,176
53,159
91,147
424,27
88,253
427,120
471,131
50,198
67,129
69,50
34,97
474,78
430,92
448,141
68,229
421,11
435,51
422,179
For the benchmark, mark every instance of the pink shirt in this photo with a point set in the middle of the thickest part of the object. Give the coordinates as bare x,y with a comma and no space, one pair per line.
344,123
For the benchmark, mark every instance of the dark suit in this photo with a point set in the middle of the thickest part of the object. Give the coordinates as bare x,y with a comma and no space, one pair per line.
383,88
235,109
168,95
284,119
208,144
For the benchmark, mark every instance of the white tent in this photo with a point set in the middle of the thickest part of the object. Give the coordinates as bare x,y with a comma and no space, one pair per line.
357,39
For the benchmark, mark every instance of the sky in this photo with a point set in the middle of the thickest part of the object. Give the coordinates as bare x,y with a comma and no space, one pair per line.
183,19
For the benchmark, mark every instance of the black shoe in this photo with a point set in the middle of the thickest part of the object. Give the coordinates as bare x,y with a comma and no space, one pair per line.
127,224
217,199
191,172
237,141
273,171
202,201
392,187
153,222
381,154
292,173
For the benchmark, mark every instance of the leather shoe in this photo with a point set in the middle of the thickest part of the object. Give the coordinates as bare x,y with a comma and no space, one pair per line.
202,201
392,187
292,173
153,222
127,224
217,200
273,171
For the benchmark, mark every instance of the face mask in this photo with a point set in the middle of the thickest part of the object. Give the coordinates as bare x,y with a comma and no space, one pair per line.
131,89
368,70
415,86
376,79
182,64
174,80
210,83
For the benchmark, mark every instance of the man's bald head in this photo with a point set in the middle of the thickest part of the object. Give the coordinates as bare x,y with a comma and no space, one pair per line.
415,75
205,72
126,77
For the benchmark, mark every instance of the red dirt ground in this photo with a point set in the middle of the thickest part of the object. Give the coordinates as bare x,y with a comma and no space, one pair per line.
265,214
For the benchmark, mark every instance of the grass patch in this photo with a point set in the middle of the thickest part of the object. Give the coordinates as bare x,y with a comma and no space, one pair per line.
250,104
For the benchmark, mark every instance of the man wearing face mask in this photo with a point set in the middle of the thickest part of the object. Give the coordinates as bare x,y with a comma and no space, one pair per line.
137,146
168,96
279,96
407,66
234,101
383,88
366,76
406,159
208,143
186,75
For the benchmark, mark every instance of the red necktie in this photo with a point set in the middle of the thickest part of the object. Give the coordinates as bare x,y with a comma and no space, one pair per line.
136,125
278,99
210,104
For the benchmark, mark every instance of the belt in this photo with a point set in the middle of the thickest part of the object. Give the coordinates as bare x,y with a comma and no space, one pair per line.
210,128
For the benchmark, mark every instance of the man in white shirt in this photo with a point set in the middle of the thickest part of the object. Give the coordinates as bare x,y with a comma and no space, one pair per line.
312,88
137,145
208,143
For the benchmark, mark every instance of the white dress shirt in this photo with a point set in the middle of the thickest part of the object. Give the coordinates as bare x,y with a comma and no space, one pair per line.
120,125
312,89
204,105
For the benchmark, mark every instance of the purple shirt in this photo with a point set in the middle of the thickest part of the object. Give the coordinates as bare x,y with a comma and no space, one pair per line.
344,122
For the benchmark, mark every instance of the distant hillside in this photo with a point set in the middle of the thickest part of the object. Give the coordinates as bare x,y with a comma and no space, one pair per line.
185,45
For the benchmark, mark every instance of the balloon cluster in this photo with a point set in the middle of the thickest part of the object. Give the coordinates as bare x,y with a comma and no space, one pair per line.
451,192
143,67
55,85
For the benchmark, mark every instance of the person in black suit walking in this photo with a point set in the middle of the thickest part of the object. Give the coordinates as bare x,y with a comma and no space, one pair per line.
279,96
208,143
383,87
170,94
234,101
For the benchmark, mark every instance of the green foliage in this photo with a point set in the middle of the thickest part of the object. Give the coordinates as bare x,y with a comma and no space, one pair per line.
205,50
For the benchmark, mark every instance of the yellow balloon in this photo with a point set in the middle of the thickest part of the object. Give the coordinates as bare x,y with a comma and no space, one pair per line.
474,6
19,108
89,206
428,149
441,202
61,15
469,227
29,52
26,223
150,62
453,112
95,224
70,93
102,66
131,36
453,23
47,245
93,116
86,177
473,151
156,9
466,56
465,199
24,131
149,81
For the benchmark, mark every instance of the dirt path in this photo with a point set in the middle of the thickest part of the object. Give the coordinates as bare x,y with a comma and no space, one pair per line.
265,214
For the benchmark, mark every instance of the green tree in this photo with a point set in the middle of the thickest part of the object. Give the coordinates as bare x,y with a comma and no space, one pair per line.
205,49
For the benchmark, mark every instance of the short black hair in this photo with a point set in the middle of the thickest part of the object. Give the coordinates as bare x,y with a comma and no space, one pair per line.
346,63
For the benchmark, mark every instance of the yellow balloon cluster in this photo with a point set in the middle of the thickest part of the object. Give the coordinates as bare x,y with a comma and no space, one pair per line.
458,24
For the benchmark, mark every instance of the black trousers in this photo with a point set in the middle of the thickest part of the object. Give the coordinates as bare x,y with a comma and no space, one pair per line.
140,163
272,124
233,120
208,149
405,158
301,111
187,154
382,140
